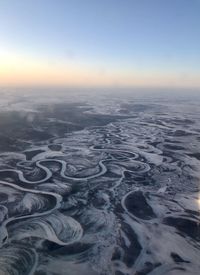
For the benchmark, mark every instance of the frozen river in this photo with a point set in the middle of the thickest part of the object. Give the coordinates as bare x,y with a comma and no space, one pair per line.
99,184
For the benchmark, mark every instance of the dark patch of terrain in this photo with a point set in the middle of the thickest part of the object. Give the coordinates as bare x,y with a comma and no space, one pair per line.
137,205
20,128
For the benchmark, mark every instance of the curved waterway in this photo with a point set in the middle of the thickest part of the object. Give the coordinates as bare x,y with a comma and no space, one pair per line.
120,198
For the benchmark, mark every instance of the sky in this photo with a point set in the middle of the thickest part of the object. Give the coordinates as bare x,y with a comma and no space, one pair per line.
100,43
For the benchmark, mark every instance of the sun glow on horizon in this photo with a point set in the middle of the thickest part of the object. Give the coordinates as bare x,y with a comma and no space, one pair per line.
20,69
100,43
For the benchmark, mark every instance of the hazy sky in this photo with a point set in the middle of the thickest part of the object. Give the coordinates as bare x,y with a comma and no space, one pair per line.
100,42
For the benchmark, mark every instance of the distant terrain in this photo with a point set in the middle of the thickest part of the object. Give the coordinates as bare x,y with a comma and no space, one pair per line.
96,184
